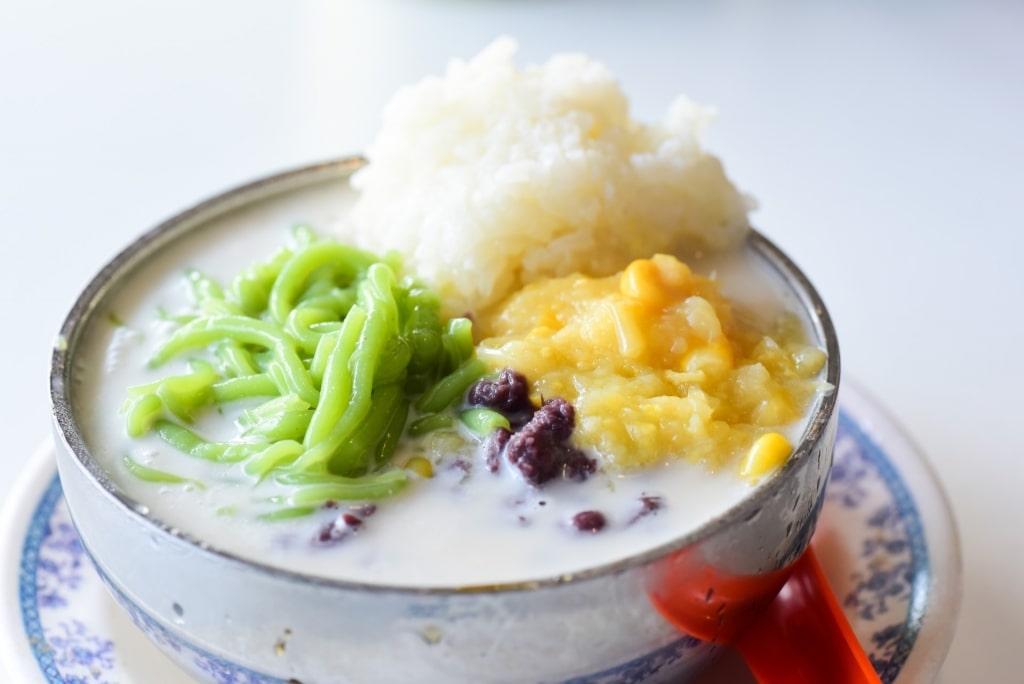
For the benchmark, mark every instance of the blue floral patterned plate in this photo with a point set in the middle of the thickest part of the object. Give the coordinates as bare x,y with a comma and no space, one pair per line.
886,540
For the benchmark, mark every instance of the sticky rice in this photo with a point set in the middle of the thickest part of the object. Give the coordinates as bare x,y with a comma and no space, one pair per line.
492,177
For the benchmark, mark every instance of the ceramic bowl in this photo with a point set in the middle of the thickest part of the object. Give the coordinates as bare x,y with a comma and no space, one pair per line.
657,616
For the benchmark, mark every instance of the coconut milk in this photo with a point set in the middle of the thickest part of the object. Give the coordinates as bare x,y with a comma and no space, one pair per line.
465,526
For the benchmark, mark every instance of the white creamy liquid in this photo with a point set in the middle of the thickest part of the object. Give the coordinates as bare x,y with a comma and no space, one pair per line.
462,527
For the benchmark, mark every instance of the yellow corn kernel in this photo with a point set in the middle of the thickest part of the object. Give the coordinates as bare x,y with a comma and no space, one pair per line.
420,466
673,273
768,453
657,281
640,280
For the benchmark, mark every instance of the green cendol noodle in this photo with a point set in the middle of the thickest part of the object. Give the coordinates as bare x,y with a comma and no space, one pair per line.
341,347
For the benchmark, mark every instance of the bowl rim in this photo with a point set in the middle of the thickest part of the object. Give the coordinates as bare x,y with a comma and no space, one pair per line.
210,209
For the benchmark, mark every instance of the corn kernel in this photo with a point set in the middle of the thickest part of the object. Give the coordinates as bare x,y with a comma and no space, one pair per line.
673,273
655,282
641,280
420,466
768,453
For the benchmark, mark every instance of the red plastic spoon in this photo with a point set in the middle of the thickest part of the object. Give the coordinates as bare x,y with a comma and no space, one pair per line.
803,637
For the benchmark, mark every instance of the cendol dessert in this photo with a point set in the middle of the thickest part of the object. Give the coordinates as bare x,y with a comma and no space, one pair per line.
528,340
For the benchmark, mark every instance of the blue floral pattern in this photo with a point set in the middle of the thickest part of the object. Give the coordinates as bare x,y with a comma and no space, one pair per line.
884,592
887,584
74,645
54,572
60,564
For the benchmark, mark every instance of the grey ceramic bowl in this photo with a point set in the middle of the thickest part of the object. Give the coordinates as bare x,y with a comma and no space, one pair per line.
658,616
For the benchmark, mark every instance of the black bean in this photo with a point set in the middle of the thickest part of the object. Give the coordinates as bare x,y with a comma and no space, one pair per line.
534,454
589,521
539,449
557,417
509,395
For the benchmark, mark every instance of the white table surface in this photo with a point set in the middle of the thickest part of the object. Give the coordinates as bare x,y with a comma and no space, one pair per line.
883,140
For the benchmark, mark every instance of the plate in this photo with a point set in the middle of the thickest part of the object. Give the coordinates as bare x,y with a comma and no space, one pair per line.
886,540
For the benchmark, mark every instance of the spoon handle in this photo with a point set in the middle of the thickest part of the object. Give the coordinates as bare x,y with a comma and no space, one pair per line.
803,636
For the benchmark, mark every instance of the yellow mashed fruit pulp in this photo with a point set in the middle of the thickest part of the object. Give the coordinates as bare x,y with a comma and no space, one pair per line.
658,366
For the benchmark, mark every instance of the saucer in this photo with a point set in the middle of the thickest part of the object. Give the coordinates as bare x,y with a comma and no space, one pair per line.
886,540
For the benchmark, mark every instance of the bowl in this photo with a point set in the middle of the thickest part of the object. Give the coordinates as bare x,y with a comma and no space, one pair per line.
660,615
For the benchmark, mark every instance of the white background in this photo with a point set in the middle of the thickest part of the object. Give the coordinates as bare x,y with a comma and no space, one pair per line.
883,140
